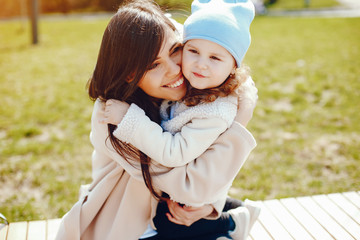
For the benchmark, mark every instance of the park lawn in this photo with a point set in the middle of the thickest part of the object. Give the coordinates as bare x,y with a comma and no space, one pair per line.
278,4
306,122
301,4
307,119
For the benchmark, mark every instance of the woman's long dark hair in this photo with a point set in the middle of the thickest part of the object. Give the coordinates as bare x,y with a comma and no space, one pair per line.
131,42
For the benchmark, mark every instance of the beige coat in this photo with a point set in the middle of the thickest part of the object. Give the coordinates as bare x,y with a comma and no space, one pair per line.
118,204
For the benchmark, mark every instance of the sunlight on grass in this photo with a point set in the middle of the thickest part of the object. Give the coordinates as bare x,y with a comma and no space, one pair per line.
306,122
300,4
45,121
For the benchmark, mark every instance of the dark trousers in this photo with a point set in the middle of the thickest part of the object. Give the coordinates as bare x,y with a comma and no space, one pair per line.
200,230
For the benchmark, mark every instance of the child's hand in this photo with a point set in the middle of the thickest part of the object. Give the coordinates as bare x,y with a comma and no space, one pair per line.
248,91
114,112
247,102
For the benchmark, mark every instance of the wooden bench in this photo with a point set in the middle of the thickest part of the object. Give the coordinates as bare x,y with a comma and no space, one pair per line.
330,216
33,230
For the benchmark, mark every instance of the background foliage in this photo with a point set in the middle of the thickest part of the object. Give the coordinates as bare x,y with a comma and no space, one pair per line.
10,8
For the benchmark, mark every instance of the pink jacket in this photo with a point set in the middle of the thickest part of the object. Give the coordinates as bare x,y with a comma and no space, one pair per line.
119,206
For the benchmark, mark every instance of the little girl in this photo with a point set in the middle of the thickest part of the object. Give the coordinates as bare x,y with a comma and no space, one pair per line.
216,38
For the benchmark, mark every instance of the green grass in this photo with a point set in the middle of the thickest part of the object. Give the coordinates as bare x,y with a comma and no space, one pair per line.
307,119
278,5
45,116
306,122
175,4
300,4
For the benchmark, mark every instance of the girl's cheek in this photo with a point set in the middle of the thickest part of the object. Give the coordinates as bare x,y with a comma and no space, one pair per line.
186,59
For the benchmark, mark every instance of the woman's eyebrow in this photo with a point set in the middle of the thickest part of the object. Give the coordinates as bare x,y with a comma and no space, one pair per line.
171,49
174,46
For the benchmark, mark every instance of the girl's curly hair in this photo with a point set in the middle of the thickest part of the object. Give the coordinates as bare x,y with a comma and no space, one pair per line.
195,96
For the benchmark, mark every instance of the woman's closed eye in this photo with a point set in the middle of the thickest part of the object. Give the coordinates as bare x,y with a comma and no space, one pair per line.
153,66
176,49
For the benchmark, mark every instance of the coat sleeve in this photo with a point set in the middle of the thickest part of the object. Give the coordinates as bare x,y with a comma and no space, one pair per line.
202,181
163,147
209,177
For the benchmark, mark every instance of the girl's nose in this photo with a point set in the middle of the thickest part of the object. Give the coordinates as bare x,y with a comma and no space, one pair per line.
201,64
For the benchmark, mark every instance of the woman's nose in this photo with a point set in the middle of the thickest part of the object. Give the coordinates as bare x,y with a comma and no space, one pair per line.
174,66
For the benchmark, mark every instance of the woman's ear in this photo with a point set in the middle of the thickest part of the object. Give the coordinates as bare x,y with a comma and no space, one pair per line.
130,78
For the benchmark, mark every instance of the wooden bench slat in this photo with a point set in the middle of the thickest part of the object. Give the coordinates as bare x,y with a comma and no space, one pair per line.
296,230
273,226
17,231
311,225
338,215
3,231
354,197
258,232
324,219
37,230
346,205
52,228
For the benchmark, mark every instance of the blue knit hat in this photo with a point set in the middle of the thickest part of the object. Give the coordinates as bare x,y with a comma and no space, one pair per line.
225,22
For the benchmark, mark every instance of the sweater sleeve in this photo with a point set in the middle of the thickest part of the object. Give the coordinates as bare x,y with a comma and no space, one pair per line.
202,181
163,147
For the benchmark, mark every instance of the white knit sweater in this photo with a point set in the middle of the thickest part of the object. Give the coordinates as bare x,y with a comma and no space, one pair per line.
223,107
189,132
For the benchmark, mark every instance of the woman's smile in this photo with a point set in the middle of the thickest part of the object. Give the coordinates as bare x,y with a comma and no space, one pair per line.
165,80
176,84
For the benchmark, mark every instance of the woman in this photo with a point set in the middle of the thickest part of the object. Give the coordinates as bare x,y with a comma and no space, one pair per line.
139,62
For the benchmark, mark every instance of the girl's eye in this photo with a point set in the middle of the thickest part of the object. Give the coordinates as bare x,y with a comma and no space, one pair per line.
215,58
193,51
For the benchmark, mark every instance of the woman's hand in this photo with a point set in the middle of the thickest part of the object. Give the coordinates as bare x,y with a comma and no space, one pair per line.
114,112
183,215
247,103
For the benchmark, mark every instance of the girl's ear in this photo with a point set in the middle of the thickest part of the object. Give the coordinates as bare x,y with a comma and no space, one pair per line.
233,71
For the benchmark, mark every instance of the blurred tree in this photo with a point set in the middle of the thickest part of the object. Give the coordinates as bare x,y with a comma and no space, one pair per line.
9,8
106,5
269,2
34,20
55,6
14,8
